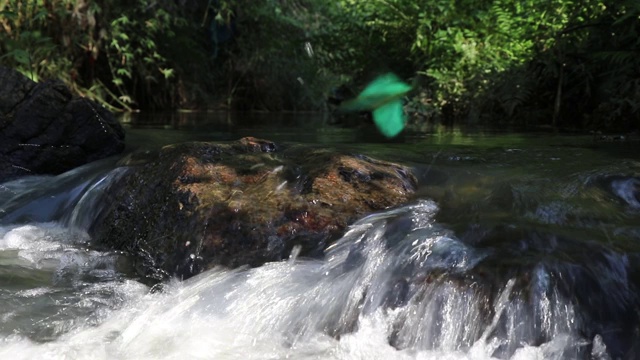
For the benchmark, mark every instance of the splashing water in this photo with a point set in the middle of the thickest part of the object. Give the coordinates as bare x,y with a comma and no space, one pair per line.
627,189
397,286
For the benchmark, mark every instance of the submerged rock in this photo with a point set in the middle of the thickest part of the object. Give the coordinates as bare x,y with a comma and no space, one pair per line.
45,130
191,206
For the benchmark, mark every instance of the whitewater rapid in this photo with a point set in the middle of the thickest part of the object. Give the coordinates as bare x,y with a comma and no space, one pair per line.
394,287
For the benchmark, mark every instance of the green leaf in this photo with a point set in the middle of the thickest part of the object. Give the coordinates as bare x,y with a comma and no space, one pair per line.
8,14
384,89
124,72
168,73
382,96
40,15
21,56
389,118
388,84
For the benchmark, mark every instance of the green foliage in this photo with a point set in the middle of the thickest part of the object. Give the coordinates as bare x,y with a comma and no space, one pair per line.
118,52
24,41
138,65
564,63
276,60
615,68
584,77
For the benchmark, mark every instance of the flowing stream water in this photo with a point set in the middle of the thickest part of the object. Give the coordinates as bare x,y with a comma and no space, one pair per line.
515,247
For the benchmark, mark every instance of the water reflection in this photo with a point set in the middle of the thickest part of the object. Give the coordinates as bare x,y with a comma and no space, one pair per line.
320,128
167,128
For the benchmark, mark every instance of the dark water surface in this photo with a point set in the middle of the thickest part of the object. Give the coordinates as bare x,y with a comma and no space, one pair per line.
516,246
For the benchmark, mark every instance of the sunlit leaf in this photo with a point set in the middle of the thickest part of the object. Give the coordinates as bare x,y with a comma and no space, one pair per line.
168,73
31,75
124,72
121,20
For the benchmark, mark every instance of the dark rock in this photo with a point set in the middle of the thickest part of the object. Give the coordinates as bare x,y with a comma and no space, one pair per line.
192,206
45,130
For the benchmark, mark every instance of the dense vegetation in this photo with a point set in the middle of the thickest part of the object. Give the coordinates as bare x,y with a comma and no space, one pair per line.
572,64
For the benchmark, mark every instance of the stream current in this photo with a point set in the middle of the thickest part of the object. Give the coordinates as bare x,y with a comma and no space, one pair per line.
515,247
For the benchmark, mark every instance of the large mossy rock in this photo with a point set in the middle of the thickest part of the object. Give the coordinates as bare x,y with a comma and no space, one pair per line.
192,206
45,130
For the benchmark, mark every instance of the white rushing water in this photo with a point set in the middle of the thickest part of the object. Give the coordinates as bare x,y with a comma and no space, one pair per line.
391,288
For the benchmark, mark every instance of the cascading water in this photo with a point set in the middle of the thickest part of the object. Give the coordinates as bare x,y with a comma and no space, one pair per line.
558,279
397,285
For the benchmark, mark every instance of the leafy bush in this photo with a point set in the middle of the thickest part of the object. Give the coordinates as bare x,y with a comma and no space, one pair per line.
120,53
561,63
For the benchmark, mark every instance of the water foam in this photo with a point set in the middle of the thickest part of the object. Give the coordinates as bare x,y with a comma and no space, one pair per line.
394,287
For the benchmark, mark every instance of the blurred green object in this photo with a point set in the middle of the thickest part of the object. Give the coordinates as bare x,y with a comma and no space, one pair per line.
383,97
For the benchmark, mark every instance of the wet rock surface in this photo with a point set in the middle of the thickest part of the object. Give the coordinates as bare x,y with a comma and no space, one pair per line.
191,206
46,130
